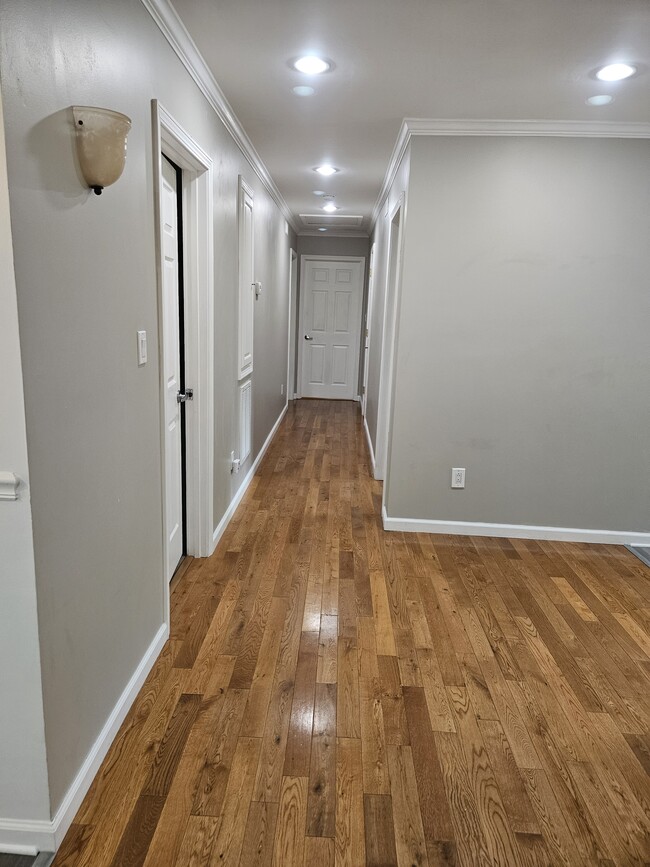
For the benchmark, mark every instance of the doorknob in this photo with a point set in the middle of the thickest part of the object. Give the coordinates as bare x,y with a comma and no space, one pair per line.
307,337
188,394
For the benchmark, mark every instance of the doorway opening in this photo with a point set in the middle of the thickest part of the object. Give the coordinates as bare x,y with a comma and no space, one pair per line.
331,298
176,394
185,333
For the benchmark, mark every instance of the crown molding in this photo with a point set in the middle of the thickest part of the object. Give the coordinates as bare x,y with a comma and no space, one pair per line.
175,32
557,128
402,143
314,233
412,126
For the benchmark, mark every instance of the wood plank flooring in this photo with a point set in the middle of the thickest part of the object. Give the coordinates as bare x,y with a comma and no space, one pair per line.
336,696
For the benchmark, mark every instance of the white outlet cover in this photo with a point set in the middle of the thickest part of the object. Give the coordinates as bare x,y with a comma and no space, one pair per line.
458,477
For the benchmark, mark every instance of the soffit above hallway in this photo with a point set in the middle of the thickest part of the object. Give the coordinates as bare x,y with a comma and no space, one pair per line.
467,59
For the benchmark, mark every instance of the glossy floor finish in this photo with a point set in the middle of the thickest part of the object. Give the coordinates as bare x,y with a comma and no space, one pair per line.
336,695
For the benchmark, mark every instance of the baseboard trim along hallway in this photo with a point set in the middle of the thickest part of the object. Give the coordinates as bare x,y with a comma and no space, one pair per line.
514,531
230,511
30,838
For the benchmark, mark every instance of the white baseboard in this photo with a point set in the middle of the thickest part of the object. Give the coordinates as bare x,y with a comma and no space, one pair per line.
515,531
25,837
239,496
370,448
17,849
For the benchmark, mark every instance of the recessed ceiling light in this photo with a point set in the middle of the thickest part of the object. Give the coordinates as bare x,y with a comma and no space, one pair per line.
330,207
319,192
304,90
311,65
601,99
326,170
322,229
615,72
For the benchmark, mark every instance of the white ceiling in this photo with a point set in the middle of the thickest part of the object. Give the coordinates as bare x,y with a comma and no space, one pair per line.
478,59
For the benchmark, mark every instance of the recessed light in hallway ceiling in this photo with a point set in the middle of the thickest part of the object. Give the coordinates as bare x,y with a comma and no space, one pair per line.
326,170
330,207
303,90
615,72
311,65
601,99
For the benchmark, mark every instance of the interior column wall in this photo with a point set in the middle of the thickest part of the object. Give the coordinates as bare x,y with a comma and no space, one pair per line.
523,349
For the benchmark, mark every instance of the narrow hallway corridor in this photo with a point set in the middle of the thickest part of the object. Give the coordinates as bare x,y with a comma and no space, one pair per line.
333,694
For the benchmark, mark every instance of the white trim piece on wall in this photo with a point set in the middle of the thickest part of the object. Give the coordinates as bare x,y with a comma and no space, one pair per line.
175,32
514,531
197,193
292,325
371,451
389,338
245,277
24,837
245,419
239,496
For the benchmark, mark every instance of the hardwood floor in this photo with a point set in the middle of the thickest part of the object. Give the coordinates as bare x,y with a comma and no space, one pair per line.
336,695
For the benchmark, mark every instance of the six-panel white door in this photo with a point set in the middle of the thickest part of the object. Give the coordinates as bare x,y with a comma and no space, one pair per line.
330,298
171,371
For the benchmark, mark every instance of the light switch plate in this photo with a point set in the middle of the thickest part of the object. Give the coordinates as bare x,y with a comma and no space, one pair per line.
142,347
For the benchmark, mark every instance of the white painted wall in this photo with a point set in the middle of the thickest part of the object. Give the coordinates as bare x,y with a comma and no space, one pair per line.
523,348
23,770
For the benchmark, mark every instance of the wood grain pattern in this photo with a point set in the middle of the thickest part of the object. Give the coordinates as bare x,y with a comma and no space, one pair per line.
337,696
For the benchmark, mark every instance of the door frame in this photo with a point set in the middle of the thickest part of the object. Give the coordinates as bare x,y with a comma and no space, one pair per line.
170,138
389,339
293,325
307,257
365,342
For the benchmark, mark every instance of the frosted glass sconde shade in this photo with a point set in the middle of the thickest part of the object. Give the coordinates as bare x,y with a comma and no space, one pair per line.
101,144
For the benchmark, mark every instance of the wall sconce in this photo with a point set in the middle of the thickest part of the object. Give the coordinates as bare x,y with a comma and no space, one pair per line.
101,144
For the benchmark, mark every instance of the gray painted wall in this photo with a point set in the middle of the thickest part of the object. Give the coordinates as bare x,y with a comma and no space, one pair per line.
85,273
523,337
23,774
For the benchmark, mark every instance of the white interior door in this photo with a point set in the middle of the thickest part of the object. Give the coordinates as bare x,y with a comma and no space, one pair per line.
330,297
171,370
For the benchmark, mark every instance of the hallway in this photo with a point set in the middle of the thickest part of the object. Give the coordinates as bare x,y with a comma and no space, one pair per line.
333,694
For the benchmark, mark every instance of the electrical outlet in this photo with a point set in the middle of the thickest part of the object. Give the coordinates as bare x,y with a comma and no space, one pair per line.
458,477
281,389
234,463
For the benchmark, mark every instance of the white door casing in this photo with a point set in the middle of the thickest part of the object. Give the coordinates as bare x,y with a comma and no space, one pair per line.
171,370
331,293
389,339
293,324
366,336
